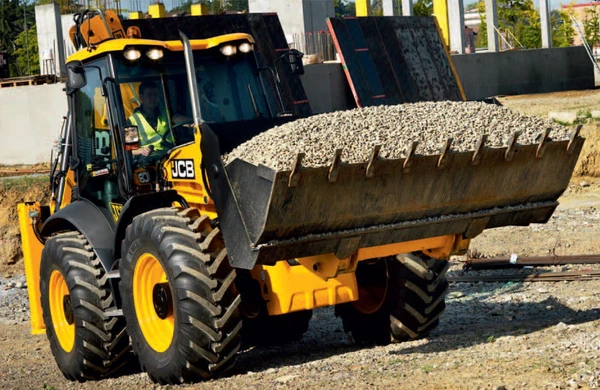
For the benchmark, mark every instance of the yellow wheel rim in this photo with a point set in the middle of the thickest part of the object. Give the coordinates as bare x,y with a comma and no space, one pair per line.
153,303
61,311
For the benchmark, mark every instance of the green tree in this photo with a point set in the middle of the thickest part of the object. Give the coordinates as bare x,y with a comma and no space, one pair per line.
12,23
562,28
590,26
27,60
518,21
344,8
423,8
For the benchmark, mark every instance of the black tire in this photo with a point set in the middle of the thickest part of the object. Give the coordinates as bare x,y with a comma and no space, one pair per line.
259,327
420,299
100,343
368,319
409,307
202,294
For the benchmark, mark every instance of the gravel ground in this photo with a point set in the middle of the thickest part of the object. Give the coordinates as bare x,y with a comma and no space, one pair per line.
395,128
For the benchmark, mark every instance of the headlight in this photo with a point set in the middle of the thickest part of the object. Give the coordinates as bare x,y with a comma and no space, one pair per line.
155,54
132,54
228,50
245,47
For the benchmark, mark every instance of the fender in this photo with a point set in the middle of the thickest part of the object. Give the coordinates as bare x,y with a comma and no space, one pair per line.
139,204
85,217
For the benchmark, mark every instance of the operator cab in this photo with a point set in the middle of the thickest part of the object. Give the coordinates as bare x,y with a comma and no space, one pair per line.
238,99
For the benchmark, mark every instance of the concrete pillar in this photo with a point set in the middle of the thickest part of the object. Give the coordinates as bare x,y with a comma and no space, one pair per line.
157,11
545,22
456,18
363,7
199,10
136,15
50,39
390,8
407,8
440,11
491,17
297,17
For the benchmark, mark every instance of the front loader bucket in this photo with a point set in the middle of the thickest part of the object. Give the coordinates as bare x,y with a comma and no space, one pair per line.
274,215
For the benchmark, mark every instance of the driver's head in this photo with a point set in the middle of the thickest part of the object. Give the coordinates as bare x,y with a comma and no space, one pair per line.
148,92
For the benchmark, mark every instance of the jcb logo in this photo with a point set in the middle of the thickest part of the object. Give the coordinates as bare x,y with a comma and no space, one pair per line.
182,169
116,210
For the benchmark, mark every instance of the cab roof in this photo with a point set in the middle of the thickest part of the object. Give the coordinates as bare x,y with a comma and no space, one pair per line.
118,45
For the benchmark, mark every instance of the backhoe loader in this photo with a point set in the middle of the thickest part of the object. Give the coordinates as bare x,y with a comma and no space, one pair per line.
175,257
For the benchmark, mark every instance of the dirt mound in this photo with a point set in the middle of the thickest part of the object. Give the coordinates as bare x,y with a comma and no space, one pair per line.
12,192
589,160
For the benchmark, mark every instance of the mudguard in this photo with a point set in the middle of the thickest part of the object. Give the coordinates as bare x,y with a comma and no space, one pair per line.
87,218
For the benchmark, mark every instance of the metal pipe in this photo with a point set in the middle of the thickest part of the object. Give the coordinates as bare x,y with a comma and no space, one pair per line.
191,74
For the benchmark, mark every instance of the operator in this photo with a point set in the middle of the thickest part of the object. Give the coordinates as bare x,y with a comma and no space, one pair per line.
152,122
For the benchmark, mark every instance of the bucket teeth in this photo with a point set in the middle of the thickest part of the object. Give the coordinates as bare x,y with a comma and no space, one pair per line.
295,173
542,146
370,170
512,146
479,149
409,156
574,135
444,153
335,166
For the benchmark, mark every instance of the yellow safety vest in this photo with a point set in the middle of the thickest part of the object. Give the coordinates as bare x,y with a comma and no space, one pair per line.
149,136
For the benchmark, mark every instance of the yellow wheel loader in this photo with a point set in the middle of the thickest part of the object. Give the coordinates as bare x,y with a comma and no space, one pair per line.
176,257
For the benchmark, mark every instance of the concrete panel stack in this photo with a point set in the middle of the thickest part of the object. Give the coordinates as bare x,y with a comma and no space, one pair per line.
297,17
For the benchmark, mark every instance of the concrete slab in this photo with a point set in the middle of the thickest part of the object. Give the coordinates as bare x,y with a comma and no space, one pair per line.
567,117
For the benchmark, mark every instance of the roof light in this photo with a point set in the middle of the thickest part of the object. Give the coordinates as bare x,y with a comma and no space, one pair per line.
228,50
245,47
132,54
155,54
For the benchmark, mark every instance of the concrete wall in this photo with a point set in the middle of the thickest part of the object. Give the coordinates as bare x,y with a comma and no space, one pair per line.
30,119
330,77
524,71
297,16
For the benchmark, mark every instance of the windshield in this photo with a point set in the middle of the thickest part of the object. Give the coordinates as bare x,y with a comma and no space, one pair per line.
156,93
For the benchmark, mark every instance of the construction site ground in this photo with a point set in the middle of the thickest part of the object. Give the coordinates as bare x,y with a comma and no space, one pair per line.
541,335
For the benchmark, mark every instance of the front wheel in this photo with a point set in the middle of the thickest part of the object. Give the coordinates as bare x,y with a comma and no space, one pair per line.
179,297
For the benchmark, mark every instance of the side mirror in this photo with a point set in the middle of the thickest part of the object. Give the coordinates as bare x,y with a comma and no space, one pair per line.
132,138
75,75
295,58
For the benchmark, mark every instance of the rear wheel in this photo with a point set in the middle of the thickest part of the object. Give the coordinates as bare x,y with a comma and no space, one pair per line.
400,298
86,343
179,297
420,300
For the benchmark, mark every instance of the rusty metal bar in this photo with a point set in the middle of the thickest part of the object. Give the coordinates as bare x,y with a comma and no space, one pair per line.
505,262
538,277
